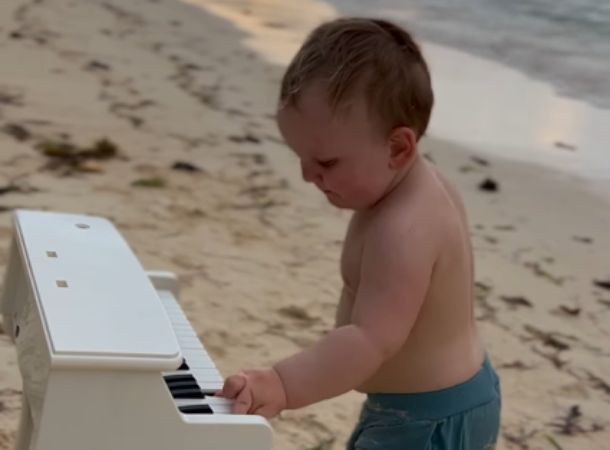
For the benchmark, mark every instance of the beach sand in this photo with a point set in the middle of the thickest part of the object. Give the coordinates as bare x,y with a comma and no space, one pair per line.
256,250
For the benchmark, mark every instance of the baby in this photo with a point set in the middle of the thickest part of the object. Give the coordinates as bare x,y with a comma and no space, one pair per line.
354,103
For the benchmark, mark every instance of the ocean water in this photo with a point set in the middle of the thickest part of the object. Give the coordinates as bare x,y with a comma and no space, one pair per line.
527,80
563,42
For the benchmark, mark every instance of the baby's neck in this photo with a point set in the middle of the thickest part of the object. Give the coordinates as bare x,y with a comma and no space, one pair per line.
403,179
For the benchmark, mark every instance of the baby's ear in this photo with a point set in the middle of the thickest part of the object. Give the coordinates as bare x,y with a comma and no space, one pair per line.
402,143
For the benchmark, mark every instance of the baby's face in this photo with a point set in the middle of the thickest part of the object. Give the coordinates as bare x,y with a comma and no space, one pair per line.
344,154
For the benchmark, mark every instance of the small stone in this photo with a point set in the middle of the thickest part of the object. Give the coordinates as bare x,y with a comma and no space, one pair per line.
489,185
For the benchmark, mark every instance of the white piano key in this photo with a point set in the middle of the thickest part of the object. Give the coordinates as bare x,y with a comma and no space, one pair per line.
176,321
207,400
176,313
173,306
185,333
205,373
198,358
220,405
181,331
201,365
176,372
211,385
192,348
177,318
190,344
221,409
195,354
209,381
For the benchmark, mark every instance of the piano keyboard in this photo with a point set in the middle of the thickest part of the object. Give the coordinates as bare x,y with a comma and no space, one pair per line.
194,383
91,327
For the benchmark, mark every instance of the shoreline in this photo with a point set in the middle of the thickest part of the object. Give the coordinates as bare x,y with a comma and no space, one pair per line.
256,250
509,114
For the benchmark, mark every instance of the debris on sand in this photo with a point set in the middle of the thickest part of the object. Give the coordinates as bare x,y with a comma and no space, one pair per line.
256,158
599,383
324,445
541,272
95,65
517,364
520,438
489,185
296,312
569,311
548,338
603,284
12,187
571,423
516,301
186,166
604,302
152,182
246,138
8,189
17,131
64,154
565,146
480,161
583,239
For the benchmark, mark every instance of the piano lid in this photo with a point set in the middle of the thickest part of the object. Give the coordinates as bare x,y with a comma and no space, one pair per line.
95,299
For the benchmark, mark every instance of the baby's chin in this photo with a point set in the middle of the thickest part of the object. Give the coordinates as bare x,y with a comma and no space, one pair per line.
334,199
340,202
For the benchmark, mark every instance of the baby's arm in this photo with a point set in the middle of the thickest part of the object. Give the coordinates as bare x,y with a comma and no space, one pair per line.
342,317
396,266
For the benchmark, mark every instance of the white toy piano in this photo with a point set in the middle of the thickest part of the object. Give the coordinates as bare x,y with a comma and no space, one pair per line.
108,359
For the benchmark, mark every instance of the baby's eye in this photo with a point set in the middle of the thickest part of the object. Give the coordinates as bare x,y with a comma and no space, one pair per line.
328,163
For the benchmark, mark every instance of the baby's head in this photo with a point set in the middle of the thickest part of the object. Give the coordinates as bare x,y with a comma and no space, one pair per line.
354,101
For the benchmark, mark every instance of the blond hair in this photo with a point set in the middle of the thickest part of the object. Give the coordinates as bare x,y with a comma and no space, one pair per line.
369,56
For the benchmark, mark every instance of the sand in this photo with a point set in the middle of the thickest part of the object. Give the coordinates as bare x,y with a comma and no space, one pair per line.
256,250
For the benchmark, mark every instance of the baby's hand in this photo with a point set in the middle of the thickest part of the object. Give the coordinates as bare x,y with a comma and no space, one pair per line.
255,392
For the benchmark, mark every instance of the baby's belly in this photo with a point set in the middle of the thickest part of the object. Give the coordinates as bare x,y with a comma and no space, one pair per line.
424,370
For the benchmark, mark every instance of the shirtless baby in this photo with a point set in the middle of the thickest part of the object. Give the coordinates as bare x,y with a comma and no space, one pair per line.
354,103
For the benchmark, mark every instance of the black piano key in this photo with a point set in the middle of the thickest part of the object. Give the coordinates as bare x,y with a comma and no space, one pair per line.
182,384
184,365
182,389
196,409
187,393
179,377
210,392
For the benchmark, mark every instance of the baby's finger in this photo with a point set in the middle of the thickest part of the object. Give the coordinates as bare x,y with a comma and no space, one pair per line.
243,402
233,386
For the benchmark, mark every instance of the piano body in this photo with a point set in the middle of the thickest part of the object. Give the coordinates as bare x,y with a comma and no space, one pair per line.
107,357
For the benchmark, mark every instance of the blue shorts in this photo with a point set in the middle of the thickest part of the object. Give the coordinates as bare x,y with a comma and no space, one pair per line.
462,417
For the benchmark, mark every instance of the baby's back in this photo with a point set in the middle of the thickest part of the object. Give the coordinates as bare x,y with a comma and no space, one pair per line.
443,347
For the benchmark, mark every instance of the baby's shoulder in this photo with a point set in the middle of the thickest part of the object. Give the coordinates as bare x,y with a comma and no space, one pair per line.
424,214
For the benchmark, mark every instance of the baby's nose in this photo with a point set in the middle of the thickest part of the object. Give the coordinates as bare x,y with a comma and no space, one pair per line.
308,172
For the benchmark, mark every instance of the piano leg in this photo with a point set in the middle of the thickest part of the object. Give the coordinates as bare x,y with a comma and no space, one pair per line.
24,434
